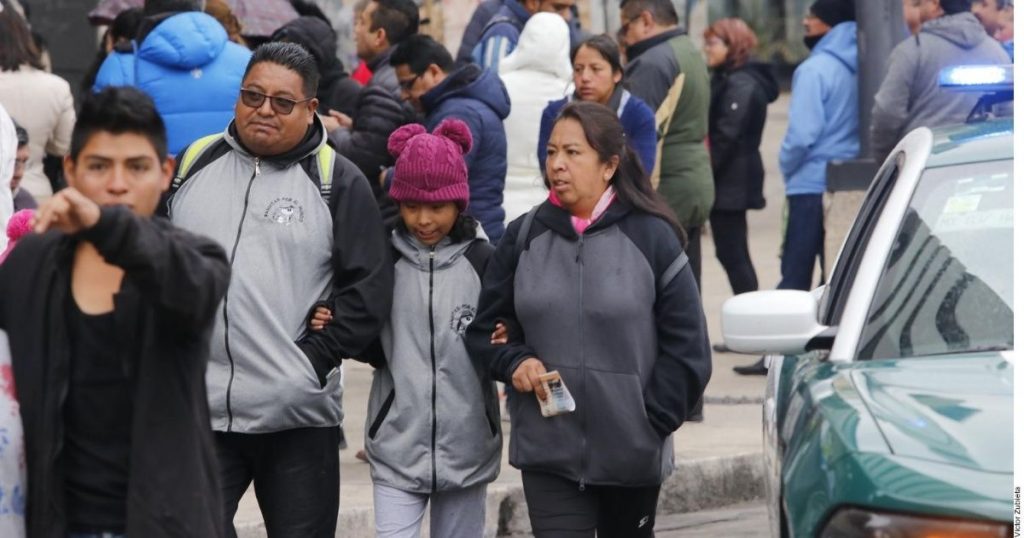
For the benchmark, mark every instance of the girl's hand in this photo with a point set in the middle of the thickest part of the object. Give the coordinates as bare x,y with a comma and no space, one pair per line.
321,317
500,335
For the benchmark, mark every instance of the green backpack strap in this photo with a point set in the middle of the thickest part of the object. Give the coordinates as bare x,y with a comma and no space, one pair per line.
325,158
192,153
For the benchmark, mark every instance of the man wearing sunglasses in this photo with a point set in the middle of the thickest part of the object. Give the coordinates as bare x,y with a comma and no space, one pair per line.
301,228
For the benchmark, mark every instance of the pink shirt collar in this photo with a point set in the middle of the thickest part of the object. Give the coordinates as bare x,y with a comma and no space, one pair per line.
580,225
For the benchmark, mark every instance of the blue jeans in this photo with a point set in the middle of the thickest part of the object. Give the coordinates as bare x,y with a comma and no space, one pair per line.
804,243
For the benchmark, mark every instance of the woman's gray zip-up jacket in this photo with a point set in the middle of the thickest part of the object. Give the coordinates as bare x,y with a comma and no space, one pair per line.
617,312
432,419
288,250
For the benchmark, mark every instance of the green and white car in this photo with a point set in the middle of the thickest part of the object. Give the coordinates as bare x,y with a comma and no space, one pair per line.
889,403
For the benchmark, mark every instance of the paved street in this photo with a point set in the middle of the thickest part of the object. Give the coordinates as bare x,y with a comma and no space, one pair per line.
749,520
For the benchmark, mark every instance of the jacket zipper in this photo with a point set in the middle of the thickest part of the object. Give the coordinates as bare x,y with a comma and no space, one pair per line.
433,371
231,262
583,372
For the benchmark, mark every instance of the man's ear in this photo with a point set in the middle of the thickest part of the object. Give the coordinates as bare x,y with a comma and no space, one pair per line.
381,37
69,170
167,171
647,18
311,107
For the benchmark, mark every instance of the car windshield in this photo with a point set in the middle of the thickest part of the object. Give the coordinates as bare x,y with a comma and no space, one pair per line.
947,286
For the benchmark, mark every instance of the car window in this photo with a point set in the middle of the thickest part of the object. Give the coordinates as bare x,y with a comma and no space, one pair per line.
838,288
947,285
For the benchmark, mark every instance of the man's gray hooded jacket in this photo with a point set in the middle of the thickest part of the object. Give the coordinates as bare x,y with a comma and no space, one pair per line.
910,96
289,250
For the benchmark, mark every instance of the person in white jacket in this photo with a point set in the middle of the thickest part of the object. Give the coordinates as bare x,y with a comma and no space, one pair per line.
8,150
536,72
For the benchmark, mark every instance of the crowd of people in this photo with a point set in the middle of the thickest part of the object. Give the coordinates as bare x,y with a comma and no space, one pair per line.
194,251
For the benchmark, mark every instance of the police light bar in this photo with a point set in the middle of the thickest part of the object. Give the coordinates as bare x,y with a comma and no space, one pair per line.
977,78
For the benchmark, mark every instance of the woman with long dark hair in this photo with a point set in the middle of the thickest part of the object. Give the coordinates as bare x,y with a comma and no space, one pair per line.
38,101
597,76
594,284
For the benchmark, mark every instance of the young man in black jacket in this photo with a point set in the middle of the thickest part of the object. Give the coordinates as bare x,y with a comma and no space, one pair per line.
108,313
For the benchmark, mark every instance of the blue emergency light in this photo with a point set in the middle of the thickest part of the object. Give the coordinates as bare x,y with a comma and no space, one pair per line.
995,81
977,78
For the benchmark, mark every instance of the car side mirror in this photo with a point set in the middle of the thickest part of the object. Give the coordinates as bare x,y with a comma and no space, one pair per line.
782,322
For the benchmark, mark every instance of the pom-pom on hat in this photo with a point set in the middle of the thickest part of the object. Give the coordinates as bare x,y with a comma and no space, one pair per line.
429,167
19,225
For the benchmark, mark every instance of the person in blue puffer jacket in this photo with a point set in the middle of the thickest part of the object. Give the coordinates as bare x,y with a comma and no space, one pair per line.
183,59
823,126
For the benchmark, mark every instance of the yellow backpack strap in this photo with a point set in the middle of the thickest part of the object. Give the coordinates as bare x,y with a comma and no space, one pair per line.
192,152
325,165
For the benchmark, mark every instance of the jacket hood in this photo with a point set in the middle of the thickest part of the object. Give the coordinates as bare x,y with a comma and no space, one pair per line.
762,73
962,29
184,41
471,82
543,46
841,42
318,38
446,252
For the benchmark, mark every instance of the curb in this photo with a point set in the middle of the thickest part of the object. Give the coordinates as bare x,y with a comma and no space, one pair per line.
695,485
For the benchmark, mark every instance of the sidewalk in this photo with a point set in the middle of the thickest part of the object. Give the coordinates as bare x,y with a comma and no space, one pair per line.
718,460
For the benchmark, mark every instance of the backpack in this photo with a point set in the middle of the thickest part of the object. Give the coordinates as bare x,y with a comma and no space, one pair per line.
209,148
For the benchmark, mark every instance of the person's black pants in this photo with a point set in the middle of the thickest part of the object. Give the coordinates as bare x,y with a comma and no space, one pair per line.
558,509
693,251
296,476
729,231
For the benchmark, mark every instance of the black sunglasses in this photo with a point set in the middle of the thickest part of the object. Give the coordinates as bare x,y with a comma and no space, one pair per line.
407,84
281,105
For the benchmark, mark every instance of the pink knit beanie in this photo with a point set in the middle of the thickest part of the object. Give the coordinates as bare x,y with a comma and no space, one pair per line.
429,167
19,225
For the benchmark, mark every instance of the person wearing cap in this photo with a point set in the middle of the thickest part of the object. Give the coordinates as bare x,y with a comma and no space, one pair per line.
910,96
433,434
823,126
185,62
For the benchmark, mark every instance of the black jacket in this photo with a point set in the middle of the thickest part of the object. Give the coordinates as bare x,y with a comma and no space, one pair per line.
739,104
172,285
337,90
379,111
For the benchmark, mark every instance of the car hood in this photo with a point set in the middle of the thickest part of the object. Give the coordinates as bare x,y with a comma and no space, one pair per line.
956,410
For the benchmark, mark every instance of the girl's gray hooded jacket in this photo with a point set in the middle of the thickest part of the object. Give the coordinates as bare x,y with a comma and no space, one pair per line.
432,419
617,312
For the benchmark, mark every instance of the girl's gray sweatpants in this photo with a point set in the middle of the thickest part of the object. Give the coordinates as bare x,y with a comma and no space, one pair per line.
453,514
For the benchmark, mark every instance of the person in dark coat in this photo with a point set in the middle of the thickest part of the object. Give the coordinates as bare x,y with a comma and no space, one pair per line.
740,93
337,90
431,82
108,313
363,137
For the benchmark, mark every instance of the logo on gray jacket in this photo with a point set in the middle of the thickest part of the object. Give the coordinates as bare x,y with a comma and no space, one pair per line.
285,211
462,316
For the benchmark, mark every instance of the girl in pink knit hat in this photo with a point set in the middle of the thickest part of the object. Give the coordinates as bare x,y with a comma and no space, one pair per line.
433,434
